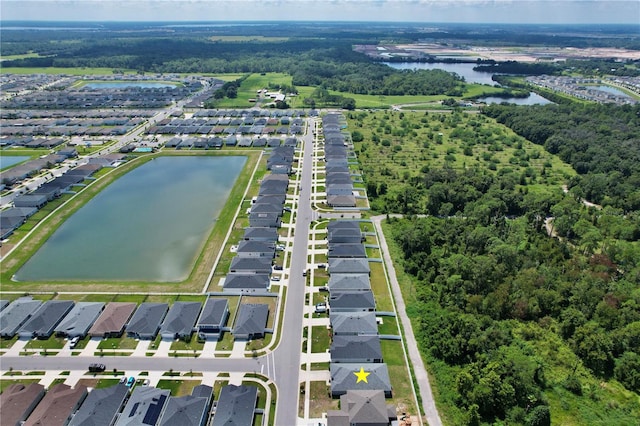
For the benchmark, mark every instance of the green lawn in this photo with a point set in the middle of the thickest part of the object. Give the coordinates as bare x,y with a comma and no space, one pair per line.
320,339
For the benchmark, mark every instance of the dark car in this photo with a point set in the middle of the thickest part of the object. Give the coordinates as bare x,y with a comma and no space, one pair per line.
94,368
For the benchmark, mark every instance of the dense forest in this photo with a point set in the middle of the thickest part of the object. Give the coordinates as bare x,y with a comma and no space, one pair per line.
526,299
601,142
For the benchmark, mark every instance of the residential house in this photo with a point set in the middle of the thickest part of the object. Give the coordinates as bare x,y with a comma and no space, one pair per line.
354,323
352,301
16,314
363,408
113,319
79,319
212,319
45,319
349,266
18,401
356,349
236,406
145,322
188,410
101,407
347,377
144,406
251,321
246,282
57,406
180,321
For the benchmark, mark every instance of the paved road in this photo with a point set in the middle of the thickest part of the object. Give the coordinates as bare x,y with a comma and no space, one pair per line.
287,355
420,372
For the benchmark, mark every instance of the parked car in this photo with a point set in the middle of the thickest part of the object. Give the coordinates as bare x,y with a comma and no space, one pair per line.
73,342
321,308
130,381
324,288
95,368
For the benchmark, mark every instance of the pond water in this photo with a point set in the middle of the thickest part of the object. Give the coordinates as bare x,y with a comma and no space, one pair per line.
462,69
122,84
612,90
532,99
11,160
146,226
470,76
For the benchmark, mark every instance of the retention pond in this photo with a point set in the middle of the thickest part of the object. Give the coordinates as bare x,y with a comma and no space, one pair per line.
146,226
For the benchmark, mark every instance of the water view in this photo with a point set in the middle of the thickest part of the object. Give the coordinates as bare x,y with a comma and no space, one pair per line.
532,99
11,160
146,226
612,90
123,84
462,69
466,70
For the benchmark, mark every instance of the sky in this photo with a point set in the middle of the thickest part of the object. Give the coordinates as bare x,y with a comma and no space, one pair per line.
463,11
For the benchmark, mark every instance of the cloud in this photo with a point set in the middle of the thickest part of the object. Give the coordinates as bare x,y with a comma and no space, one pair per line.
481,11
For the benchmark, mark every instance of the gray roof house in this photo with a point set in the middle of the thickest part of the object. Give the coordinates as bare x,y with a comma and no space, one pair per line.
352,301
347,376
280,199
266,220
16,314
261,234
354,323
236,406
79,319
101,407
45,319
179,322
251,264
267,208
251,321
3,304
28,200
213,317
145,323
144,406
341,200
18,401
347,250
246,282
256,249
354,282
349,266
189,410
338,179
345,235
362,408
113,319
57,406
356,349
340,189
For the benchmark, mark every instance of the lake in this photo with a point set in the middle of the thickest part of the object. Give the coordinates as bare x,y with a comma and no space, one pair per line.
11,160
123,84
462,69
148,225
612,90
470,76
532,99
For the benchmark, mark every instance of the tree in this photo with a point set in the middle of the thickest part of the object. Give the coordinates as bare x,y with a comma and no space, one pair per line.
627,370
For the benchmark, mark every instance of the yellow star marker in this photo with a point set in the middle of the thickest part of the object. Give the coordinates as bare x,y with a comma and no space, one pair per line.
361,375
